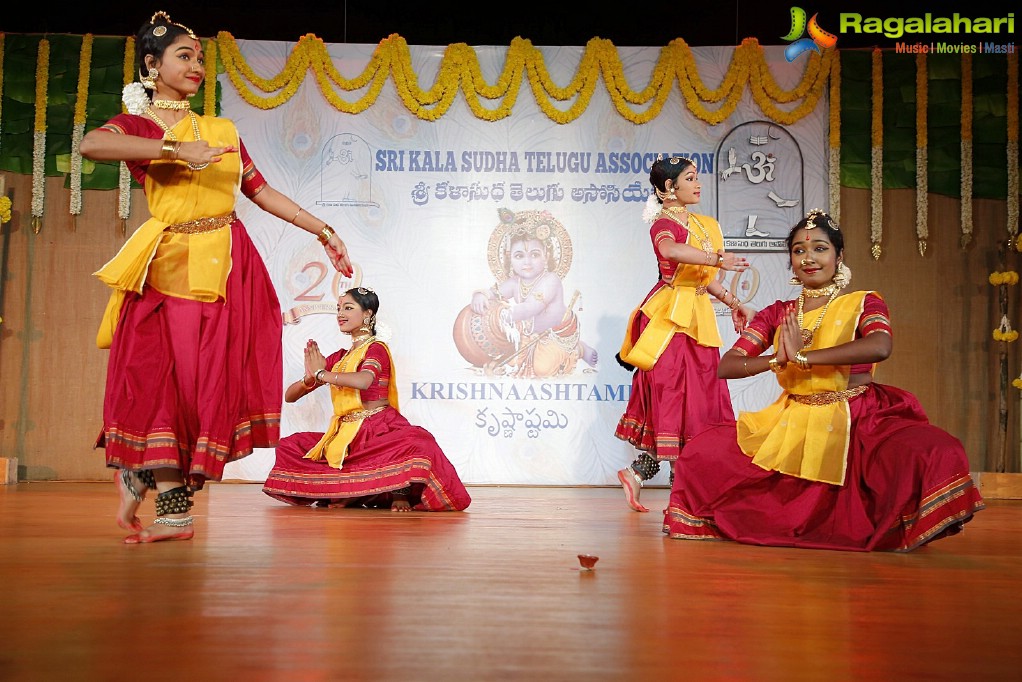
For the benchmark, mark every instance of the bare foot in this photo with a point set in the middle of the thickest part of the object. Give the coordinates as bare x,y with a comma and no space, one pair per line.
630,483
400,503
158,532
130,499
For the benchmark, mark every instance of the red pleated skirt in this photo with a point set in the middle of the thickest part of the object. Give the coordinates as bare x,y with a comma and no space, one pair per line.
679,397
907,483
388,453
193,385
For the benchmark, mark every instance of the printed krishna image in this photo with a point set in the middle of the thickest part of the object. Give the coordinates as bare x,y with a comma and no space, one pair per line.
522,326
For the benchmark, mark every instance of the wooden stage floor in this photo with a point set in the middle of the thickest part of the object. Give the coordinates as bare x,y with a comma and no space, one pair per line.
271,592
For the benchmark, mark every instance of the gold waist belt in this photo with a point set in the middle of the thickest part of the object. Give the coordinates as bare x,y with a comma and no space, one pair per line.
829,396
700,290
362,414
200,225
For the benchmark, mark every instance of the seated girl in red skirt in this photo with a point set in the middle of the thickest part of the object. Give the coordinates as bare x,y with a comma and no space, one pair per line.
370,455
838,461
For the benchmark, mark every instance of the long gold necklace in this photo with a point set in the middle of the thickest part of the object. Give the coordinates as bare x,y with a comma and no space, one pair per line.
808,334
169,134
704,239
356,343
524,290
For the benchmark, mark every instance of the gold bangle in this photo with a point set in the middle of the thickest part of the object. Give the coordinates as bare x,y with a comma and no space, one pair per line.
720,259
319,375
801,360
169,149
306,383
745,364
300,209
775,366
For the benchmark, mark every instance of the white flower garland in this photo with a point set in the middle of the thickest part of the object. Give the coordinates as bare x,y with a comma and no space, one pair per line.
876,171
966,149
834,155
78,132
123,176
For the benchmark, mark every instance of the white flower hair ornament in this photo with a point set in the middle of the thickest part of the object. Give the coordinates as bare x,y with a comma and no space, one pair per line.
135,98
650,210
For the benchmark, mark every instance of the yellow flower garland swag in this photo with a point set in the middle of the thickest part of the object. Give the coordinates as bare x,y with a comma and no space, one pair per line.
42,77
876,170
81,101
124,176
922,155
209,87
966,149
460,70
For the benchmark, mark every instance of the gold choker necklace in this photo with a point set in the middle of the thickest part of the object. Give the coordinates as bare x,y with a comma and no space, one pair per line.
174,104
819,293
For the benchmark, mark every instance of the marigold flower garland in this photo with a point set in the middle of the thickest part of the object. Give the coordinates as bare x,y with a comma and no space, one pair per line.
124,177
876,170
834,138
966,149
209,89
5,209
460,70
42,78
922,155
81,102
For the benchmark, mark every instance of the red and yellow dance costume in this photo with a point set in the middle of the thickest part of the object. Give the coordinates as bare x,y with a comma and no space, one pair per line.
674,343
823,466
193,324
365,456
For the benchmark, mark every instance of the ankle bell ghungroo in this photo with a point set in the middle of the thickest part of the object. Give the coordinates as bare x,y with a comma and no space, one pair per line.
176,501
145,479
176,523
645,466
402,492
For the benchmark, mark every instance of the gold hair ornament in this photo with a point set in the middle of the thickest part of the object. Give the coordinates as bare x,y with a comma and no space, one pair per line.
160,30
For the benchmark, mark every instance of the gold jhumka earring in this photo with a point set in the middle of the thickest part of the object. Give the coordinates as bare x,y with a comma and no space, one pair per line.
149,80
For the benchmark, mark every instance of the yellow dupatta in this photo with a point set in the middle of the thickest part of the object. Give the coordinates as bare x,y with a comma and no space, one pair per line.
346,422
193,266
678,308
808,441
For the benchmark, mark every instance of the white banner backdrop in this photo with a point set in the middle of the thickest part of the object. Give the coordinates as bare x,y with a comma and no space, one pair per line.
427,210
